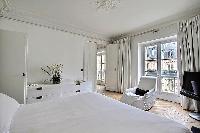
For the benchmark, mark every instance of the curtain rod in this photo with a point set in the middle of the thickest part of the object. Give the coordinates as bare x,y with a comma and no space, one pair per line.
97,43
138,34
154,30
145,32
51,27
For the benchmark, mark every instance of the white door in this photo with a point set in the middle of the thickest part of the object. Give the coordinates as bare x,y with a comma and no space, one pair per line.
89,63
111,67
13,47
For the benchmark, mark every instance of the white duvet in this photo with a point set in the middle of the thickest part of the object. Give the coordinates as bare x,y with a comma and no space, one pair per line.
89,113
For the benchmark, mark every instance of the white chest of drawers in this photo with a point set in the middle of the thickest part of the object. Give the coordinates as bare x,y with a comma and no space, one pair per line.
43,92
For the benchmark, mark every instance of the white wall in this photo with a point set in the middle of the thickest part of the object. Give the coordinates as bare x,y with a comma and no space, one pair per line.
137,66
47,46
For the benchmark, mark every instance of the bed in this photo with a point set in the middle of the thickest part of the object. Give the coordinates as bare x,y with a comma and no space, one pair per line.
86,113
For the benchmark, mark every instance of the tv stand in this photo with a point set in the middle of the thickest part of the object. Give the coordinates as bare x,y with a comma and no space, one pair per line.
194,115
190,95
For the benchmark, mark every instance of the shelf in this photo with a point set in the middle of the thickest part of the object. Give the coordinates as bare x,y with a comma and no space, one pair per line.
151,60
168,59
150,71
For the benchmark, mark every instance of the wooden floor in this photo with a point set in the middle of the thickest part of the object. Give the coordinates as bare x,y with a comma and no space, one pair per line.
162,108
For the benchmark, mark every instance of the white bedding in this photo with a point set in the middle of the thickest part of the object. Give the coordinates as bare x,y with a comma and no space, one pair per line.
89,113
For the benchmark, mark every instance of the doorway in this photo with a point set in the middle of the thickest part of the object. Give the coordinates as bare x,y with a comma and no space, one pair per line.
101,67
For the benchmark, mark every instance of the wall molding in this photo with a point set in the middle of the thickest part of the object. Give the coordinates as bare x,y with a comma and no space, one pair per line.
26,17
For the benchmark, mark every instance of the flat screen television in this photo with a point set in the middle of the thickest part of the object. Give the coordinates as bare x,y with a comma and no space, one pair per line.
191,89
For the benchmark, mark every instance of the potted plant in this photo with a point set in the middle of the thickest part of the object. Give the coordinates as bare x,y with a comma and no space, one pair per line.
54,71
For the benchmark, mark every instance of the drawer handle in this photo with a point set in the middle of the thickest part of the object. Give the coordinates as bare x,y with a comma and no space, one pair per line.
78,91
39,88
40,97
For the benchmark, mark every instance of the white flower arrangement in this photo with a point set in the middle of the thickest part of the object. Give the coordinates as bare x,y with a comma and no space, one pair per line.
54,71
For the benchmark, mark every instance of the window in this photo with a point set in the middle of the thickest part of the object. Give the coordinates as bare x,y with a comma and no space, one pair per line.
101,66
160,60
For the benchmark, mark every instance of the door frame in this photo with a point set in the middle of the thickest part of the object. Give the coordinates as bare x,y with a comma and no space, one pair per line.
26,68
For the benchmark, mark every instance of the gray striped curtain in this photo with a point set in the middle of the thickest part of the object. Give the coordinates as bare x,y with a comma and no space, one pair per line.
124,64
189,42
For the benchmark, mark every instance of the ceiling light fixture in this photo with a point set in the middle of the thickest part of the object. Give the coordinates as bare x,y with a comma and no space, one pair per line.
4,7
107,4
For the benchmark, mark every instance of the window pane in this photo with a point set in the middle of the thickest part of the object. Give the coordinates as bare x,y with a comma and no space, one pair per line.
101,66
103,58
98,67
169,59
98,59
103,71
169,85
151,61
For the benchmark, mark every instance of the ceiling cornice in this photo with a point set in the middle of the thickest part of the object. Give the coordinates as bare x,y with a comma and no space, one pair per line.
44,21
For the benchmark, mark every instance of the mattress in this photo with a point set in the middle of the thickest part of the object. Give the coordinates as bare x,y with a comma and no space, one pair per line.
89,113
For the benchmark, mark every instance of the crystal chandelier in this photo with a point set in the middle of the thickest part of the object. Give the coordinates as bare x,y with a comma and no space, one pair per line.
107,4
4,7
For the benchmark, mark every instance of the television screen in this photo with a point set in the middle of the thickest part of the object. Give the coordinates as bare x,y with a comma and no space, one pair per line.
187,78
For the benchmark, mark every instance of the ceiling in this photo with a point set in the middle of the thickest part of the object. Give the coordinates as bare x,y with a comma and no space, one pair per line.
82,14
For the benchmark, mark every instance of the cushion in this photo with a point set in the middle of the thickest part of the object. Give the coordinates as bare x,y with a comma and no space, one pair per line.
140,92
8,107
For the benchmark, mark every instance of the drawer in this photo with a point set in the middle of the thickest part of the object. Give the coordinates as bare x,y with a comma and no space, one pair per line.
41,98
35,99
43,92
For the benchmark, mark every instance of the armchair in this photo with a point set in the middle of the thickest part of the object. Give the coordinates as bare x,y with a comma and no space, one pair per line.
143,102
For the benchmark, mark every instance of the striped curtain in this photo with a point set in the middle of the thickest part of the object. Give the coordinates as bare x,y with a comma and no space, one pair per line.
124,64
189,43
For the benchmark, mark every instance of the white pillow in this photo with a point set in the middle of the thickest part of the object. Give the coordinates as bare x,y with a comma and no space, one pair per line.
8,107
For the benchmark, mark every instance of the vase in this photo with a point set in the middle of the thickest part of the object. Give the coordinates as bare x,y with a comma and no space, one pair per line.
78,83
56,80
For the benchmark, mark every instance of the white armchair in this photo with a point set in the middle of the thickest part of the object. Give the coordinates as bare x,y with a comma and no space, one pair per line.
143,102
